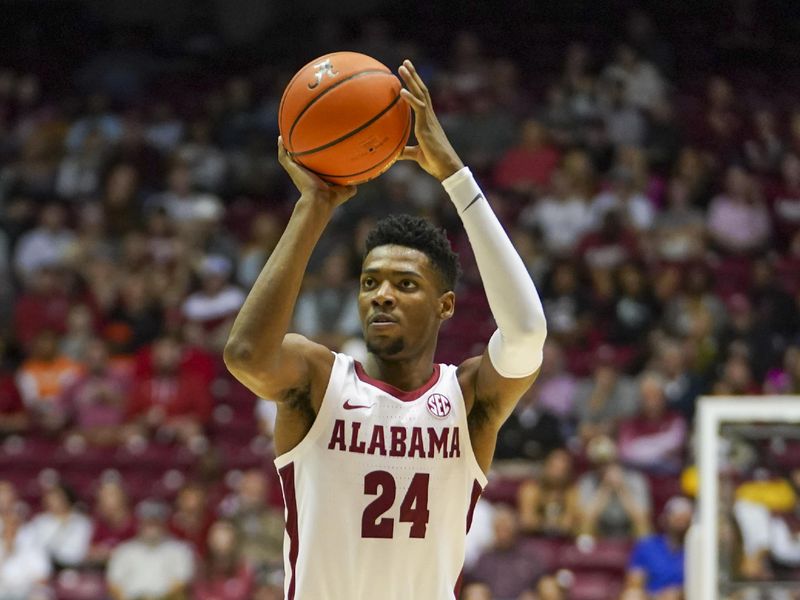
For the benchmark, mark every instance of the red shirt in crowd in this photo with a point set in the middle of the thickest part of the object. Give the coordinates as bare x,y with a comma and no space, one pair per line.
526,167
180,395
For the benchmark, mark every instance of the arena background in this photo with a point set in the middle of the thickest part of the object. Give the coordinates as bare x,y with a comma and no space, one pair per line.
643,156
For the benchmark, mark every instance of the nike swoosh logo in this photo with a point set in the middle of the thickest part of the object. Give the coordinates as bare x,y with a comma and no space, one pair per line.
474,200
348,406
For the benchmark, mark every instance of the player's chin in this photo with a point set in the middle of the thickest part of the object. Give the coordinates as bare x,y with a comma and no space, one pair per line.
385,345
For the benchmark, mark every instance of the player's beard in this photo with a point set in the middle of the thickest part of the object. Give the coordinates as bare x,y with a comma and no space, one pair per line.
393,347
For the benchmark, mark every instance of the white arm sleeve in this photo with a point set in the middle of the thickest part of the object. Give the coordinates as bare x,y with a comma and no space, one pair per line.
515,349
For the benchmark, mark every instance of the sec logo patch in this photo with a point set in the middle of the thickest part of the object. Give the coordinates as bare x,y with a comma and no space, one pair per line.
438,405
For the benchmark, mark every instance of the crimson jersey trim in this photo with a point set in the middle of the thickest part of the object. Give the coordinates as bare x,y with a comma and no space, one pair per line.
409,396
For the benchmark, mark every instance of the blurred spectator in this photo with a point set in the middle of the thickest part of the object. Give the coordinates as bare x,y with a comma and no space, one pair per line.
623,122
44,304
79,334
97,120
748,334
555,386
207,163
528,166
97,400
191,519
510,567
547,505
172,402
770,527
24,567
260,527
136,318
120,198
113,521
696,312
183,205
152,565
722,125
632,205
764,150
655,437
643,85
566,303
602,401
635,310
264,235
612,501
480,536
783,198
44,377
738,222
45,245
79,171
165,129
657,562
224,575
735,377
531,432
13,417
561,215
216,303
682,386
476,591
611,244
327,311
61,529
679,229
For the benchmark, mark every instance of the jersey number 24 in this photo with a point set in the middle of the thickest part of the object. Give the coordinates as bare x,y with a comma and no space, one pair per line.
413,508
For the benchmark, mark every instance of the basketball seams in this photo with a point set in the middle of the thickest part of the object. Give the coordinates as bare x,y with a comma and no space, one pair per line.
403,140
351,133
330,88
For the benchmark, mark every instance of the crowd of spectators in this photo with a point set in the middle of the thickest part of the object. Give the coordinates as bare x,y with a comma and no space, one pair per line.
659,217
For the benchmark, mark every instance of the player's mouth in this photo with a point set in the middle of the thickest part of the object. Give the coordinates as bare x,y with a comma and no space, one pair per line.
381,320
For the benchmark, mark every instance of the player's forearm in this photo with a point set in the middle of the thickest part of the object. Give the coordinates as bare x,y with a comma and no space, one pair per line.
265,316
516,348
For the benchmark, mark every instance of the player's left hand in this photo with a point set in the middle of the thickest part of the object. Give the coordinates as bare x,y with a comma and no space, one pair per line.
434,153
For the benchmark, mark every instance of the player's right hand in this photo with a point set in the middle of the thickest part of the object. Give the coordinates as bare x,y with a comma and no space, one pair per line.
310,185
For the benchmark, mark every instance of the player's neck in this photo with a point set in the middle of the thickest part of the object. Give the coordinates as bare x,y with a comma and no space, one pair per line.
406,374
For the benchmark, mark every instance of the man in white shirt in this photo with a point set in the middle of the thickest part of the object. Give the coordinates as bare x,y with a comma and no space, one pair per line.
24,566
152,565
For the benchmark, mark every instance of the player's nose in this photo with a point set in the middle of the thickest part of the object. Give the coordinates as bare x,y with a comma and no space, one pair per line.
384,295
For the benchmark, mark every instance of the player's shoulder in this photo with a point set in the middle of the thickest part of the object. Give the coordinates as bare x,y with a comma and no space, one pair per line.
311,350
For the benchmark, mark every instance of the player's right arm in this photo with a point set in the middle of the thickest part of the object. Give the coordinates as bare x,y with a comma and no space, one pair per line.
259,351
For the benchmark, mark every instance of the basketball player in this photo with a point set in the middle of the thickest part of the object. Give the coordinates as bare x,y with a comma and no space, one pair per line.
382,463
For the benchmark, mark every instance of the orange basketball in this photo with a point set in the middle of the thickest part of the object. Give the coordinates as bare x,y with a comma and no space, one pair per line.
342,117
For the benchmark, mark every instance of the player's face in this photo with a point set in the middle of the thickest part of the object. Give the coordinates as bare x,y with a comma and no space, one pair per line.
401,302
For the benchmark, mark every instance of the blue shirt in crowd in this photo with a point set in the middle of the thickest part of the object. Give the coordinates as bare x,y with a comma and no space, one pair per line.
662,564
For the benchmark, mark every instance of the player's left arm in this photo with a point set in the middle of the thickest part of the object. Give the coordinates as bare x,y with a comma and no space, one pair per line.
496,380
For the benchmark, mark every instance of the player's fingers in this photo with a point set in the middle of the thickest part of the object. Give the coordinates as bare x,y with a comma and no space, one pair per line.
416,104
411,83
421,84
409,153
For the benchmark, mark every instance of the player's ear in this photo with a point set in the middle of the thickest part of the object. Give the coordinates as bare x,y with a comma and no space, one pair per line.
447,305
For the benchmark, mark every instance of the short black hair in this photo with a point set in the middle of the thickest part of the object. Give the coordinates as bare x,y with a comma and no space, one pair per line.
419,234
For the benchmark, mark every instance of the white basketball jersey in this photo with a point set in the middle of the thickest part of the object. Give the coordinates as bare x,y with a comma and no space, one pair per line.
380,492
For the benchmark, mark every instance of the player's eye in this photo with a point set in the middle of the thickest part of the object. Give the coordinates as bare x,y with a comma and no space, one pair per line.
408,284
367,283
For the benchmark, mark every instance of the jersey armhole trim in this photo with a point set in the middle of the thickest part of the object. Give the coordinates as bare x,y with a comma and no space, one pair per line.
480,476
323,414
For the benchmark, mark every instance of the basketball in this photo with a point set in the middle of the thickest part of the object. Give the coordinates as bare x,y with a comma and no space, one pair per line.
342,117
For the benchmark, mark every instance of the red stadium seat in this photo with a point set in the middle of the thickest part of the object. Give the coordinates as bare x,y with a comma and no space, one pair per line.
594,586
604,556
80,585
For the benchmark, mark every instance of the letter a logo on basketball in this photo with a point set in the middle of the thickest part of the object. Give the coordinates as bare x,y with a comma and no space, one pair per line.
438,405
320,70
